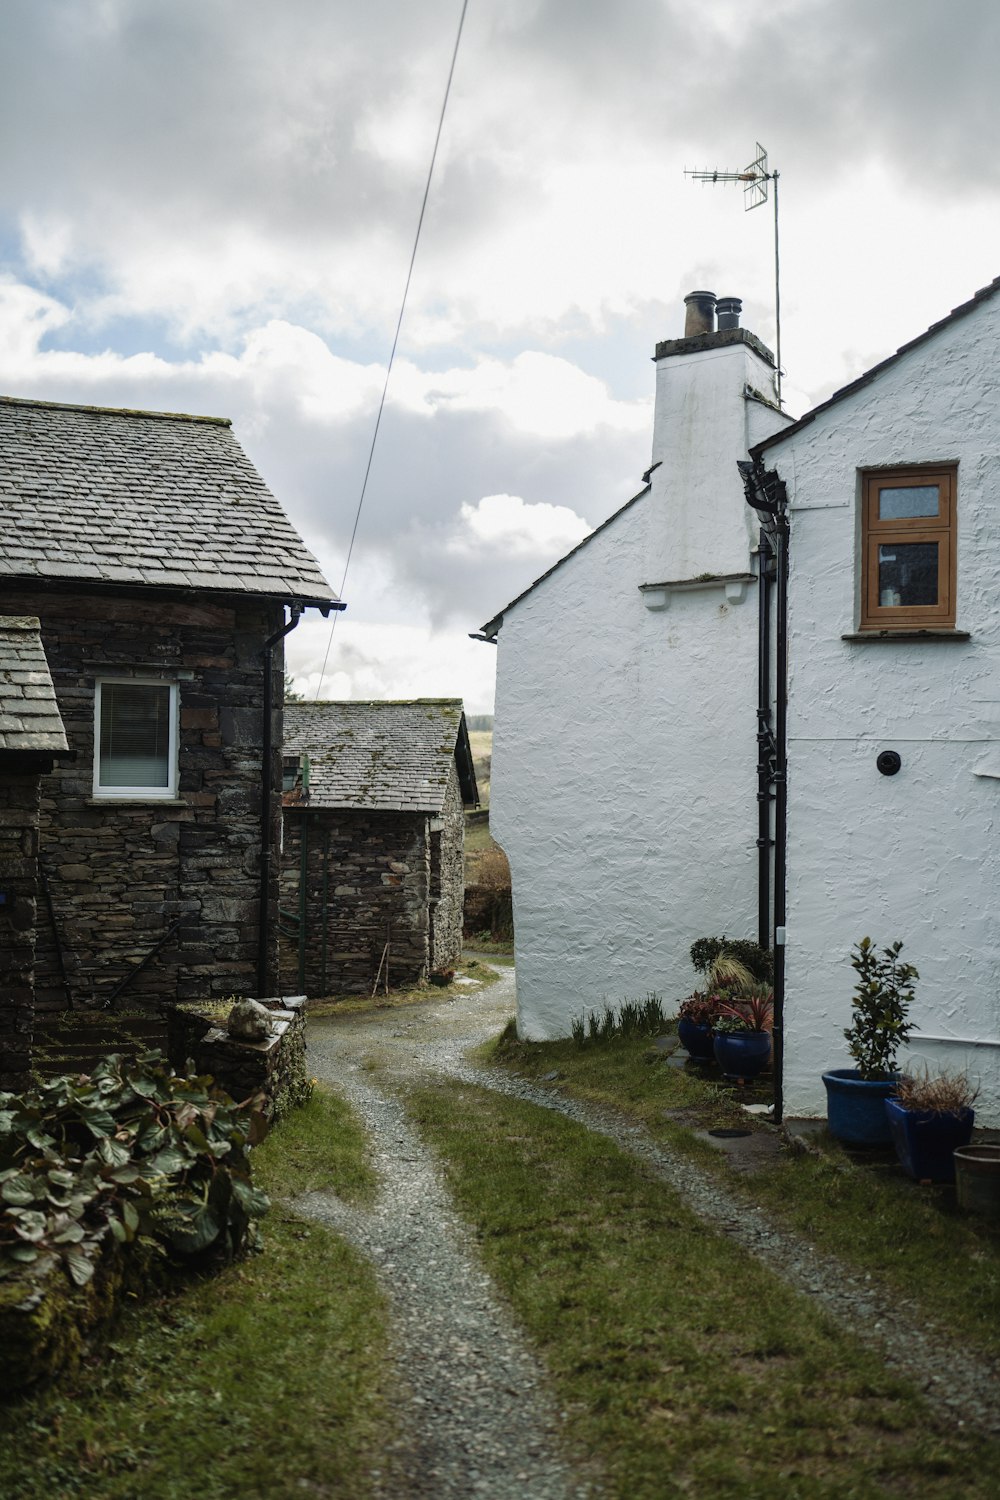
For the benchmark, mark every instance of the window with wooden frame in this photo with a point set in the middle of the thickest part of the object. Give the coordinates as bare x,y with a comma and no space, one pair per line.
908,556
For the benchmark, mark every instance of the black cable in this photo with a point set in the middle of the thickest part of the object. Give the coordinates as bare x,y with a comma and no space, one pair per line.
392,354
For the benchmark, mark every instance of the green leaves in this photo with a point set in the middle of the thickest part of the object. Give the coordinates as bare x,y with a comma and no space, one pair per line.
128,1152
882,999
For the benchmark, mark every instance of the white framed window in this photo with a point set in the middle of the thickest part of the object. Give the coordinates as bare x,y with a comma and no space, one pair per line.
135,738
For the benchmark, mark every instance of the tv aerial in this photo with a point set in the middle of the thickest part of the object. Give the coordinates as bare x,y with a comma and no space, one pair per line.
754,180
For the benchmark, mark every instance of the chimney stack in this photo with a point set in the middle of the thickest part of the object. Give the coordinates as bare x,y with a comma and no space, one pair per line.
700,315
729,309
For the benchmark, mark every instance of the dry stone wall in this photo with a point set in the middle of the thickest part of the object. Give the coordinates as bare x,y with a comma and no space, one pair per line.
367,883
19,813
122,874
448,878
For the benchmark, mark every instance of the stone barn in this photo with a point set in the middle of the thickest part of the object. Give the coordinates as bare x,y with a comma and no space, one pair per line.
372,877
163,575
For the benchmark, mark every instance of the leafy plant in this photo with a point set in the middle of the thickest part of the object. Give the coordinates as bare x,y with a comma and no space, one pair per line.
751,955
731,1025
753,1011
882,997
936,1093
132,1151
701,1009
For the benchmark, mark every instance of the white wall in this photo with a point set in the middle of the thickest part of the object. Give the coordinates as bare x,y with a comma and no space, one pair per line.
702,424
624,757
915,856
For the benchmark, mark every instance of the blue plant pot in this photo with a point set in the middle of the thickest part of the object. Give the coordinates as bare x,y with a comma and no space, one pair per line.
855,1107
742,1054
925,1141
696,1040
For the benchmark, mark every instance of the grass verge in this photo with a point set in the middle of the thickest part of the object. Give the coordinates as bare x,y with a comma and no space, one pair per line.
422,994
258,1382
912,1240
686,1367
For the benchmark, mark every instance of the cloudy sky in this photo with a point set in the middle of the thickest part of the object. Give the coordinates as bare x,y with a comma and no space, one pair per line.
209,206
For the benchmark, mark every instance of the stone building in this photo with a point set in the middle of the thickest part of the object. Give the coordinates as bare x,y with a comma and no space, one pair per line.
164,575
372,878
31,736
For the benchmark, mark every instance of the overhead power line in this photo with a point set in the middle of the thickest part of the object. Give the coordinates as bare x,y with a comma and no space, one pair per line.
392,354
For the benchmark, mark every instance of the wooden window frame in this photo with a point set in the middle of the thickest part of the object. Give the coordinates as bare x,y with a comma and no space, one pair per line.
876,533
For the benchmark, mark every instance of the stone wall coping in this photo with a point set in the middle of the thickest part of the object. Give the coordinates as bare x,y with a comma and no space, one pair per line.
216,1034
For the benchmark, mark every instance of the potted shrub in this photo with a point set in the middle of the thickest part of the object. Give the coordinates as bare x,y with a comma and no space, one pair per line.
742,1040
930,1117
696,1017
855,1097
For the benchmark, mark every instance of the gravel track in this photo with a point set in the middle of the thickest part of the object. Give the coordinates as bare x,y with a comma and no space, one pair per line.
471,1394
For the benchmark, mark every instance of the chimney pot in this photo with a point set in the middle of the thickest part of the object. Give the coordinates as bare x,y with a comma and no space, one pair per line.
700,313
729,309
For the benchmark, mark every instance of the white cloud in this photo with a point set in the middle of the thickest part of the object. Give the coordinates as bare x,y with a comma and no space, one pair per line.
392,661
537,393
505,523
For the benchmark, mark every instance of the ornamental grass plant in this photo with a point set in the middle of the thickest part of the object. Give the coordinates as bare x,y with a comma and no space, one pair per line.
944,1093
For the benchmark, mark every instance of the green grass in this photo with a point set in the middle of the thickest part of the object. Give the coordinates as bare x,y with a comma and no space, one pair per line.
911,1240
686,1367
260,1382
421,994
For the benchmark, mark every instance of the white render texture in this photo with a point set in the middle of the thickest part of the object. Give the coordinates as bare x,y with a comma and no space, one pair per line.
624,759
915,856
702,423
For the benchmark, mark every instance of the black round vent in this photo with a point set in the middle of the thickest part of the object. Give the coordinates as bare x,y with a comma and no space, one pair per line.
889,762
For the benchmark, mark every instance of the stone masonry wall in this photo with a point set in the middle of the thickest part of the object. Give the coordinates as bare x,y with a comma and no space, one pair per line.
373,869
120,874
19,809
448,879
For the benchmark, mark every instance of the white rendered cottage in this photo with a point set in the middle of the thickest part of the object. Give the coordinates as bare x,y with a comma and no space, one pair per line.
624,782
893,698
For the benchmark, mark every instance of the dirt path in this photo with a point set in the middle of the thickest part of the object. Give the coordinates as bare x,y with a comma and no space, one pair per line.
472,1400
479,1403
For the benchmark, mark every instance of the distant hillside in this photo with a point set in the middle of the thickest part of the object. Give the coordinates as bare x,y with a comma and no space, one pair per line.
479,721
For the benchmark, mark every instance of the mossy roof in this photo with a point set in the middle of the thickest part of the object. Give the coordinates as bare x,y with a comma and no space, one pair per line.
388,754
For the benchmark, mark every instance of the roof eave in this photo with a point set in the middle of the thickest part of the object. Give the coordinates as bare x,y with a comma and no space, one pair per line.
962,311
491,629
105,587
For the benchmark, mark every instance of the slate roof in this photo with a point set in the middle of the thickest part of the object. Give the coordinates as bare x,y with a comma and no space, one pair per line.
393,756
102,496
29,717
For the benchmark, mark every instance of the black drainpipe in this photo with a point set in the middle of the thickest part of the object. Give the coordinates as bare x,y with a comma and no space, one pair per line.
266,793
765,740
765,492
780,812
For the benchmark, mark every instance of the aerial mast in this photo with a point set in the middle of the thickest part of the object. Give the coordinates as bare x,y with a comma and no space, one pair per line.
754,180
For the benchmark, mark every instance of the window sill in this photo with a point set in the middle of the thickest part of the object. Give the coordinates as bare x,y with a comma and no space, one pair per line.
873,637
137,801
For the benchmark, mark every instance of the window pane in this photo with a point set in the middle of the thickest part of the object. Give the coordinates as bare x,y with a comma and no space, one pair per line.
135,734
907,574
901,503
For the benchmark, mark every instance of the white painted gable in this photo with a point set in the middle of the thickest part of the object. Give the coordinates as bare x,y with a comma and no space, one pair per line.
914,856
624,758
